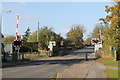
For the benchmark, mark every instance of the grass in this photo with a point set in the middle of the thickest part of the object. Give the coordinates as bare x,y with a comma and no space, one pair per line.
34,56
109,61
4,63
111,73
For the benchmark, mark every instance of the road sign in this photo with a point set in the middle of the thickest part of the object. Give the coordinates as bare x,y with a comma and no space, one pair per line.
95,41
51,44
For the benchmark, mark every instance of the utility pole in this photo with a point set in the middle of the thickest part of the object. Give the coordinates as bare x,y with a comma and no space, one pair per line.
38,33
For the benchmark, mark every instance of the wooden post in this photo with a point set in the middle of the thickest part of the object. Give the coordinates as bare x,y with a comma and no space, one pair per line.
115,56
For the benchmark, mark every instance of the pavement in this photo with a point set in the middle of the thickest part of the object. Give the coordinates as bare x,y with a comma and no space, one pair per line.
86,69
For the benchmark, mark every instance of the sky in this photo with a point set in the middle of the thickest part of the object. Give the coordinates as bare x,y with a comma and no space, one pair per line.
57,15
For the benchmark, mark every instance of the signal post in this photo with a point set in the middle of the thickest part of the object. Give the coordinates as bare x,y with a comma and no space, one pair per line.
17,44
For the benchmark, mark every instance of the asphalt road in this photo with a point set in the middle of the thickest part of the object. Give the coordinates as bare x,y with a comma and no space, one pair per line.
46,68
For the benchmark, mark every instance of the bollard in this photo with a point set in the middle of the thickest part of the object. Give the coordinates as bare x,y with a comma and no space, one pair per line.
86,57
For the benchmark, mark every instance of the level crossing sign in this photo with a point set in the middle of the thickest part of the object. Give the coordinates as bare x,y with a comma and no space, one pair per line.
95,41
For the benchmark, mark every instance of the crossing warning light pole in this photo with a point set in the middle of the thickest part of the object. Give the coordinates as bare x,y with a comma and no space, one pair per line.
17,43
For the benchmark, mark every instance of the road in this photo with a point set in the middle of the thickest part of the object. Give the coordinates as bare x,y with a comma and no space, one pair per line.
46,68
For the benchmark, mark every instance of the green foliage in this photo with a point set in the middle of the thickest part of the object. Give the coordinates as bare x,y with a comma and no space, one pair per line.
112,27
8,39
29,47
75,35
26,35
45,35
88,41
96,31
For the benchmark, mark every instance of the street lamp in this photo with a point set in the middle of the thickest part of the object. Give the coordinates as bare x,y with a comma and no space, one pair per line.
7,11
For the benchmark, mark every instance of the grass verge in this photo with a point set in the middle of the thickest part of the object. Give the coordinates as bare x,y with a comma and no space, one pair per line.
34,56
109,61
111,73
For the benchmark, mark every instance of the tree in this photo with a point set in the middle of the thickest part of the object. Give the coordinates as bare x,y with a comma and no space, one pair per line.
75,35
96,30
8,39
112,27
26,35
45,35
88,41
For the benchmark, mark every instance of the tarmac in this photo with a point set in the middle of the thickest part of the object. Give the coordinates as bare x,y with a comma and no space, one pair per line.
86,69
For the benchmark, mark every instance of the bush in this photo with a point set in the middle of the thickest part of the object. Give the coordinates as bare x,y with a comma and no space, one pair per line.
29,47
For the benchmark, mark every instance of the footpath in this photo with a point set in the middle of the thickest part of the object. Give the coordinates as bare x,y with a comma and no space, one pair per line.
86,69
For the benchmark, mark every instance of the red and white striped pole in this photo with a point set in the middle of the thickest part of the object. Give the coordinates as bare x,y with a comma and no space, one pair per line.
17,18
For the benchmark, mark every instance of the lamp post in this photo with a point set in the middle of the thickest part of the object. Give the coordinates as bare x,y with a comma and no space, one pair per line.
1,34
1,19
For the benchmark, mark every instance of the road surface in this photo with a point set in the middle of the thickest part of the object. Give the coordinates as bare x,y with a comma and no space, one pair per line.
46,68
